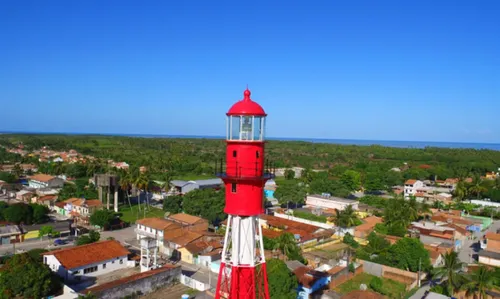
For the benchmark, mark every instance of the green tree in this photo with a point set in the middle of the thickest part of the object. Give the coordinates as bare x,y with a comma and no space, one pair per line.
172,204
449,272
17,170
19,213
94,236
282,283
45,230
290,191
206,203
36,254
349,240
102,218
407,253
289,174
477,187
479,281
351,179
460,193
346,218
40,213
125,182
374,182
23,277
286,243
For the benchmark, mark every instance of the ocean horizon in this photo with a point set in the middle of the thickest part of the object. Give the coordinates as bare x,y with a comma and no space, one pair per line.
360,142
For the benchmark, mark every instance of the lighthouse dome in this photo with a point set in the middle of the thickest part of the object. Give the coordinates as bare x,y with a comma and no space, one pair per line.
246,107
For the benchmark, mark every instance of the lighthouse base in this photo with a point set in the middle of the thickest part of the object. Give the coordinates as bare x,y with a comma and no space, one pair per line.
243,273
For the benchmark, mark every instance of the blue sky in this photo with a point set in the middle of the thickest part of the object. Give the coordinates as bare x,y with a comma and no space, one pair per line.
385,70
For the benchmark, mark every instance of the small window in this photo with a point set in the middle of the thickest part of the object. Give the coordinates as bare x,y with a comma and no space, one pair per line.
45,259
121,261
104,266
112,262
233,187
234,154
257,155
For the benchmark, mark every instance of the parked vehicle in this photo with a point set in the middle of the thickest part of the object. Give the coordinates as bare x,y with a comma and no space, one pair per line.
58,242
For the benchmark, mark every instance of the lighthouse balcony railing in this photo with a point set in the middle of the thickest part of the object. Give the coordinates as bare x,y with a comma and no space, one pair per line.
244,170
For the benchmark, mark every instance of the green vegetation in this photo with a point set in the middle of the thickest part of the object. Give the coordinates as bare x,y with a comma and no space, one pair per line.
23,213
102,218
23,276
405,254
388,287
374,201
131,214
282,283
349,240
399,213
92,237
172,204
309,216
449,272
206,203
287,245
346,218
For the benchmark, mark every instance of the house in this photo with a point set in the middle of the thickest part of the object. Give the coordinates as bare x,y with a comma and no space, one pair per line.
436,253
45,181
10,234
86,261
81,208
155,228
310,281
183,187
24,196
326,201
189,222
59,208
174,240
490,250
363,230
201,252
432,233
411,187
46,200
273,227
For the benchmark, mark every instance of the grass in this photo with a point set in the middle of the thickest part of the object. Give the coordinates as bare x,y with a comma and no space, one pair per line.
392,289
194,177
131,215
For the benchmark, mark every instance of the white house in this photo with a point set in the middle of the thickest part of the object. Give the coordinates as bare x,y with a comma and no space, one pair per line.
45,181
326,201
411,187
154,228
86,261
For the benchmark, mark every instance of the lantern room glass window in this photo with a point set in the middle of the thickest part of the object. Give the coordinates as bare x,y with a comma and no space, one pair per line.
245,128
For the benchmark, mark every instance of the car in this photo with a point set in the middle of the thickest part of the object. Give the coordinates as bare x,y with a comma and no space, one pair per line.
58,242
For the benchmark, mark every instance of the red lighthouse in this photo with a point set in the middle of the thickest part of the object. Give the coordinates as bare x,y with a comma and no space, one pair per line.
242,272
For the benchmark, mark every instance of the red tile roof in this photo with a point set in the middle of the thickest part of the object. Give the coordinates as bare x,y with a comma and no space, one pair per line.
47,197
83,255
42,177
410,182
156,223
186,218
492,236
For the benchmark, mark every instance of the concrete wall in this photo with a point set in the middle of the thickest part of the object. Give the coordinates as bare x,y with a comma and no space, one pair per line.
410,279
310,222
489,261
144,285
373,268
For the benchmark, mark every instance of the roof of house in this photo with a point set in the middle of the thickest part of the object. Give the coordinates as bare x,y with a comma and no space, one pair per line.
60,204
186,218
87,254
492,236
186,238
358,294
42,177
47,197
280,222
307,276
84,202
410,182
293,265
127,279
156,223
201,246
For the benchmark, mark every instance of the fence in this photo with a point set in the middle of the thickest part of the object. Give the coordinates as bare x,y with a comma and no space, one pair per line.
410,279
306,221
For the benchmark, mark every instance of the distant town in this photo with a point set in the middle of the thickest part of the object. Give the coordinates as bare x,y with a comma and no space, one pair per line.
89,226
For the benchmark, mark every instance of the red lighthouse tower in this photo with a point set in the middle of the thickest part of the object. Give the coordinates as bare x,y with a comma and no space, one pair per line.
242,272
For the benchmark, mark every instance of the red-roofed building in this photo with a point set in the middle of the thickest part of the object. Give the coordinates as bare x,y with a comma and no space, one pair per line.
412,186
91,260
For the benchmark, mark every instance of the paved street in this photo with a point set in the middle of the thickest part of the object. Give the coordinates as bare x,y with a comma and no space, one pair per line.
28,245
471,247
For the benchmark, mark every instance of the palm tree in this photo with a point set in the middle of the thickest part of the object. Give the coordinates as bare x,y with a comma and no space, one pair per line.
17,170
461,191
477,187
345,218
412,208
167,181
449,272
125,181
479,281
286,243
142,183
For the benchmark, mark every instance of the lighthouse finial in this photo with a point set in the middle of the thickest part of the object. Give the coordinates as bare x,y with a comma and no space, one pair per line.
246,94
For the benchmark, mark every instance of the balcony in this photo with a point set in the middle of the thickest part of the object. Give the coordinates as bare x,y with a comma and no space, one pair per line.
145,233
244,171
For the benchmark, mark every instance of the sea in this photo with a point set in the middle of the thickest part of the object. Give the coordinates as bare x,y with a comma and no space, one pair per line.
389,143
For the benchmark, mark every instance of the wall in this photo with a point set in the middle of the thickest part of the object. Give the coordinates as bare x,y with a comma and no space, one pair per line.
310,222
340,279
429,240
489,261
329,203
142,283
406,277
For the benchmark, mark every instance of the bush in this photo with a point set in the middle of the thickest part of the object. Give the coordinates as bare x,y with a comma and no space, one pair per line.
349,240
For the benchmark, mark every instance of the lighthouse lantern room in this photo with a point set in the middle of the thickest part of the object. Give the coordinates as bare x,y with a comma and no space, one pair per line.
243,270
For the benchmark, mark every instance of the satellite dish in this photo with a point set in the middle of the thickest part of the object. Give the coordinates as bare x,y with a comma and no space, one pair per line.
166,215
